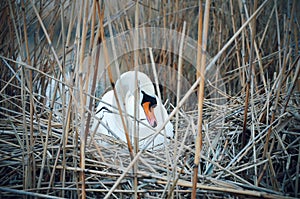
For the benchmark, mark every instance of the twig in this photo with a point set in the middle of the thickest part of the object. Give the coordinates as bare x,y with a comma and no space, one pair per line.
201,62
21,192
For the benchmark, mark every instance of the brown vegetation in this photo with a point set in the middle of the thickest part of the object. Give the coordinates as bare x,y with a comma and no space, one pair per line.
250,143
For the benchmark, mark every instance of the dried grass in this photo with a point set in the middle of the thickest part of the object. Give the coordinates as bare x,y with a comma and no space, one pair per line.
250,134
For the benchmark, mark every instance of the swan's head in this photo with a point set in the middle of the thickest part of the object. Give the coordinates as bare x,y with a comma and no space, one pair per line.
149,103
147,98
126,87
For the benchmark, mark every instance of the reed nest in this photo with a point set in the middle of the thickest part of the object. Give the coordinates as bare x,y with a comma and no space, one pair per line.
250,143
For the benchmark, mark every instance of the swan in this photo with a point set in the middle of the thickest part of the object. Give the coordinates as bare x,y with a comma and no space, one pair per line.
151,112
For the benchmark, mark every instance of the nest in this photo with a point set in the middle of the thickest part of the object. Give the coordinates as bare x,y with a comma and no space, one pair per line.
250,116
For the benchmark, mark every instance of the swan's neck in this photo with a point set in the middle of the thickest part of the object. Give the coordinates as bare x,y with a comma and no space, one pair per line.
131,104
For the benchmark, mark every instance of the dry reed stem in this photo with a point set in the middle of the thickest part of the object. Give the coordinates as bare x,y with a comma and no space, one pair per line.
164,132
136,97
202,35
29,81
80,54
178,91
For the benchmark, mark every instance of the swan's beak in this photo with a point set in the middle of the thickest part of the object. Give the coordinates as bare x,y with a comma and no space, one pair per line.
149,112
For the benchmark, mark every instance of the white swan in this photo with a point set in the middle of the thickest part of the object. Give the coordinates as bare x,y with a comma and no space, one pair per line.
152,113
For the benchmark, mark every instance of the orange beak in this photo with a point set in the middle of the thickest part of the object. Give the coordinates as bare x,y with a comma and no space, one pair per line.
149,112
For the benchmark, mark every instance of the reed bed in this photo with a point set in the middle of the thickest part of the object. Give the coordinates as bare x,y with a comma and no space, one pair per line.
242,143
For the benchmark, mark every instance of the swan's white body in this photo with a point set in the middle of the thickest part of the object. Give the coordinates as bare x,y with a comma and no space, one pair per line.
110,116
